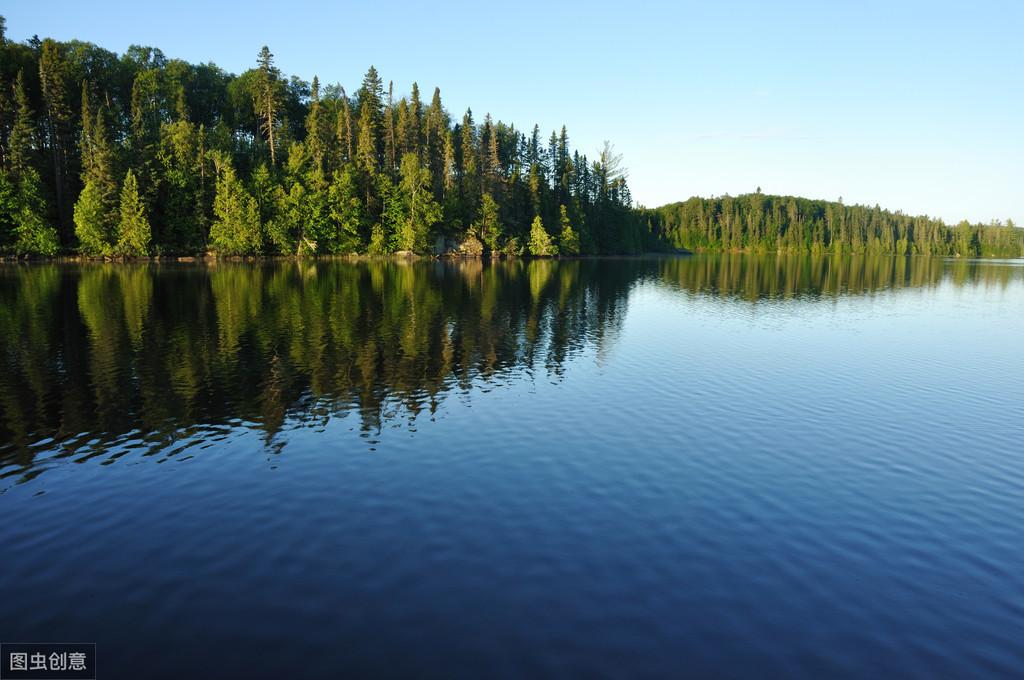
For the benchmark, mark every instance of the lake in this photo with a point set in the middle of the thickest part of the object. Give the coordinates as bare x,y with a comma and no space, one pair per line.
710,466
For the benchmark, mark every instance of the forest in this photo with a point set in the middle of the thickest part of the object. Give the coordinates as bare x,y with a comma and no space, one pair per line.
135,155
788,224
108,155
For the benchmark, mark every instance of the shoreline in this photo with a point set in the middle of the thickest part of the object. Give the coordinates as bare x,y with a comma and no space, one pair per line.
352,257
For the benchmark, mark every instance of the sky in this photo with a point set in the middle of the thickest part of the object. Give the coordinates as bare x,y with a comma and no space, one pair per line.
914,106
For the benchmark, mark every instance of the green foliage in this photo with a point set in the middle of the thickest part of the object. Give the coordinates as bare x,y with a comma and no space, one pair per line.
420,210
762,223
181,202
346,212
236,226
540,241
568,240
33,235
133,231
329,173
92,220
488,226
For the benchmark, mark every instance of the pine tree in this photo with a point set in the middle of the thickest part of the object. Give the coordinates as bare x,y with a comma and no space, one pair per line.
267,96
367,151
437,140
33,234
181,200
346,212
414,131
133,231
22,208
468,168
19,141
96,210
144,137
569,240
421,210
489,225
390,143
540,242
236,226
317,127
346,132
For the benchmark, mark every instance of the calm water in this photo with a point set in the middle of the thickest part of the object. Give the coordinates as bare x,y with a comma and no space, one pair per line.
728,467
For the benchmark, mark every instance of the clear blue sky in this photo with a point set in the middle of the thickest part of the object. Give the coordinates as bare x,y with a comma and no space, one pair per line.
917,106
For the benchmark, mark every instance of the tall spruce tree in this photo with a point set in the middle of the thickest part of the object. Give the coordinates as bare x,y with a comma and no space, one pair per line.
96,209
422,212
236,225
568,239
540,244
133,230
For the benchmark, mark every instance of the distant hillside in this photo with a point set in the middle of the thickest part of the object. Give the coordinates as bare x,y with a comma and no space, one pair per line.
761,223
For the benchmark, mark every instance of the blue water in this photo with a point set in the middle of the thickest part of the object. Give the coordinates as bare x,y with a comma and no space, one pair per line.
711,466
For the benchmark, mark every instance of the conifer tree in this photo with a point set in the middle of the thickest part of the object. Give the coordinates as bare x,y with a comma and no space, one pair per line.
414,130
236,226
346,212
317,127
22,208
96,210
437,140
19,140
144,137
181,200
540,244
346,131
267,95
390,143
133,230
488,227
369,159
468,168
568,240
33,234
421,210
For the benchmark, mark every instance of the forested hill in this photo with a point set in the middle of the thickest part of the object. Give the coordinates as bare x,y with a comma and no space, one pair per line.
141,154
760,223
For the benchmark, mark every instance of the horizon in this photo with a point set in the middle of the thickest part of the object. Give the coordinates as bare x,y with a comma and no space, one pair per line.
771,127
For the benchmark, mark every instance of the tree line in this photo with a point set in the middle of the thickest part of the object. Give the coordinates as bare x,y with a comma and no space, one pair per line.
761,223
139,154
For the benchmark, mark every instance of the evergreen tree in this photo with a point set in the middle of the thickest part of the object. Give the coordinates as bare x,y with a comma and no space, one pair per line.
568,240
133,231
24,229
346,133
414,130
346,212
32,233
540,241
181,202
236,225
422,212
20,139
96,210
267,98
488,227
317,128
